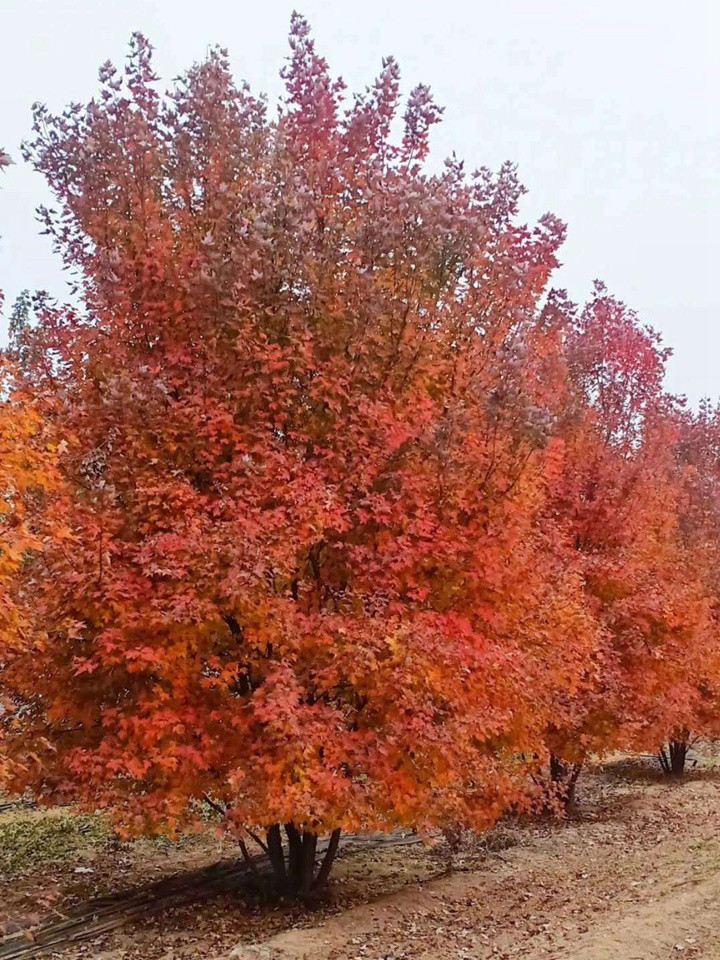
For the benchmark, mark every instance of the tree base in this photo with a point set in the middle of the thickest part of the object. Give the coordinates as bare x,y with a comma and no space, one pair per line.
674,759
298,871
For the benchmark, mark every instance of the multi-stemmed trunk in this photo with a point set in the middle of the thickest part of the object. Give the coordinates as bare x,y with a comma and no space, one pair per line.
294,863
673,759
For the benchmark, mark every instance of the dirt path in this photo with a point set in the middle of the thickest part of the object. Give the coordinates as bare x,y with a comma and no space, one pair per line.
640,884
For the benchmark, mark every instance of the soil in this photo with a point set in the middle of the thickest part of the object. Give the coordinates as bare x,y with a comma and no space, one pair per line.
633,875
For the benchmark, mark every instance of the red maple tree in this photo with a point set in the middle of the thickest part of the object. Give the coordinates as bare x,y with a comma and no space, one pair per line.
620,493
320,504
306,445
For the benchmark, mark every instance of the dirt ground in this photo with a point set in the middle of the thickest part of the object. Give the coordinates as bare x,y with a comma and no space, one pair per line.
639,880
634,876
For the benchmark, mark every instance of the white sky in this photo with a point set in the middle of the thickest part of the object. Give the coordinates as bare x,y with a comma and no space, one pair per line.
610,109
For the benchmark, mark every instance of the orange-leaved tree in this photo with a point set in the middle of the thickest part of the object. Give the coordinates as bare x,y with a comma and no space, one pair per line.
619,496
689,705
306,444
24,471
26,474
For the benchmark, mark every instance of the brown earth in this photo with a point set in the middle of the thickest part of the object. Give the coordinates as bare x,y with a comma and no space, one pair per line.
640,884
635,876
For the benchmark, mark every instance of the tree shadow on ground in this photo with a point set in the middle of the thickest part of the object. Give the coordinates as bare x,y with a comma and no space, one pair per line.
646,769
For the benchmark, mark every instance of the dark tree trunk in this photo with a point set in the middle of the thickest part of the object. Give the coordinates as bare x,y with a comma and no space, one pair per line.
276,856
557,769
307,868
674,758
328,860
678,756
295,852
564,777
294,865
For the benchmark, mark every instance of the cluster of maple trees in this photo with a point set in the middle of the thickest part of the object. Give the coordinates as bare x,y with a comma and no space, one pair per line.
319,503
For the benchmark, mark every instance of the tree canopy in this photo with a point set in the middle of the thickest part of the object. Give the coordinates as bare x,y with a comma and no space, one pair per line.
342,516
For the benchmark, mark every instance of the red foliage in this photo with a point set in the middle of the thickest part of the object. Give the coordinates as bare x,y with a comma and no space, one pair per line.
623,499
354,519
306,446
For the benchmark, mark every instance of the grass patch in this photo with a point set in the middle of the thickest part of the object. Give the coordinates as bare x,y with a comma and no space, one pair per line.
30,839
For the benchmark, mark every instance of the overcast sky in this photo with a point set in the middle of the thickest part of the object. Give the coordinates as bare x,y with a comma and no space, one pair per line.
609,108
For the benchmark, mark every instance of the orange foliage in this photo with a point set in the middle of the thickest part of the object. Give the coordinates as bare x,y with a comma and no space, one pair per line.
623,498
355,519
306,446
